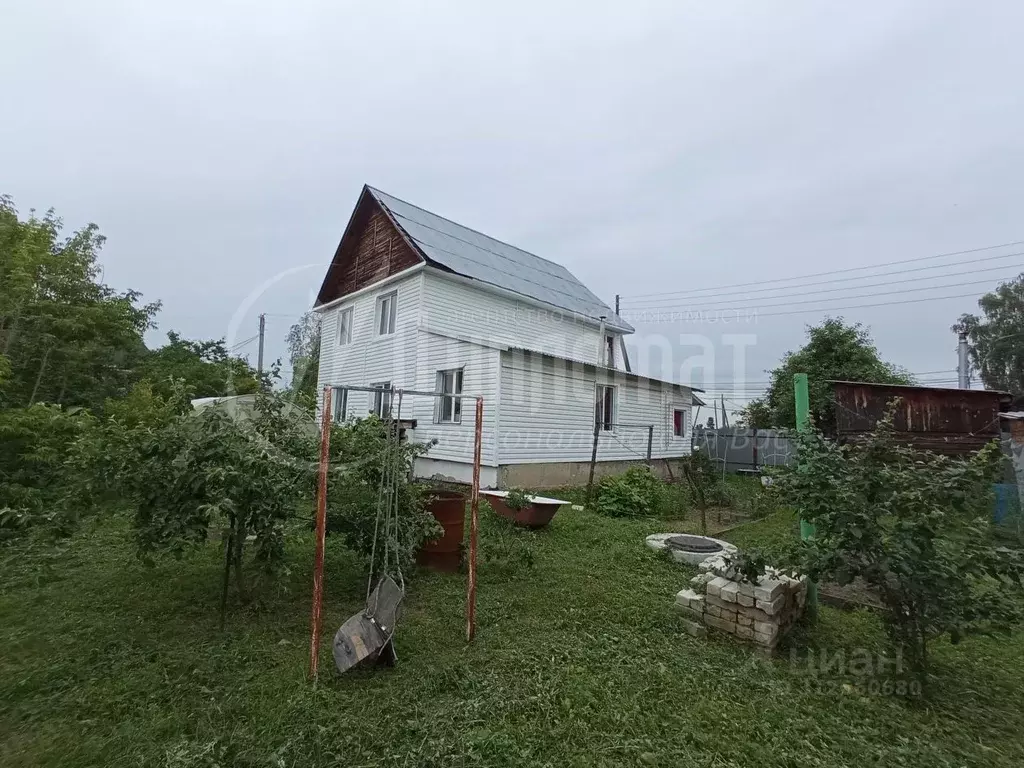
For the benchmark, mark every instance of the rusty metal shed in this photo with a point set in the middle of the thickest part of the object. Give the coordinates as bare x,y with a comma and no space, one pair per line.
952,421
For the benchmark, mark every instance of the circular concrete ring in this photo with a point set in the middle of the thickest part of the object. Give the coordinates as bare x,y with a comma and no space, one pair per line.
659,542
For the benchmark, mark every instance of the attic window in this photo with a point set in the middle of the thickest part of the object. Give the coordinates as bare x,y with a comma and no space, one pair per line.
387,308
609,358
345,326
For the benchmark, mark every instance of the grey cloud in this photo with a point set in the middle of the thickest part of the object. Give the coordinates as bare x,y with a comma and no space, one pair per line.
650,147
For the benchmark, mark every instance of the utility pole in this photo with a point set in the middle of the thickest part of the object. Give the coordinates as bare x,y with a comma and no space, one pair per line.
963,366
259,356
616,304
803,421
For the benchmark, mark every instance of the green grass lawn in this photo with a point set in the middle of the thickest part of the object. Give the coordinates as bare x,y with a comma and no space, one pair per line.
579,661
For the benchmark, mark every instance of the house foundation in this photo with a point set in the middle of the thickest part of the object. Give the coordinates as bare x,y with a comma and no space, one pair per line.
558,474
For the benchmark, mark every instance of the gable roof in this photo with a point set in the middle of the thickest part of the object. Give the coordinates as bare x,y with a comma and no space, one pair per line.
469,253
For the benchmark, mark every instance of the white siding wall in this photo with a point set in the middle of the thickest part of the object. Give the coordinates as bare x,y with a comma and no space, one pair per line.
454,308
547,414
370,358
411,359
534,410
479,377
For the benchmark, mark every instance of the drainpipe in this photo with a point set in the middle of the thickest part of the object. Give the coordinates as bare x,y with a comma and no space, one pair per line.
962,364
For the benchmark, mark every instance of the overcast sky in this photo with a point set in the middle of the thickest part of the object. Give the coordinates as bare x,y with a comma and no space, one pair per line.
648,146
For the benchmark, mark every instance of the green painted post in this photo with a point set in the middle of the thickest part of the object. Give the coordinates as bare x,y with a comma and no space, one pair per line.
803,420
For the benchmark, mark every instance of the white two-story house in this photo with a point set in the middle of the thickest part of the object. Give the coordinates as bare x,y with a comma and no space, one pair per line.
414,301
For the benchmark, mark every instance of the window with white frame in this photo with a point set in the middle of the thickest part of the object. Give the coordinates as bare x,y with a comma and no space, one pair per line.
345,326
339,404
605,407
381,400
679,422
387,310
448,409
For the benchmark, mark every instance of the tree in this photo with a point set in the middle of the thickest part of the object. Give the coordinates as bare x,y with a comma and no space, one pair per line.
206,368
68,338
834,351
756,415
304,353
34,474
362,458
913,526
996,339
5,374
187,474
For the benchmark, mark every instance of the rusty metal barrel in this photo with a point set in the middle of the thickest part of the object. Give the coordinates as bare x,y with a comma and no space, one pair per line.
449,509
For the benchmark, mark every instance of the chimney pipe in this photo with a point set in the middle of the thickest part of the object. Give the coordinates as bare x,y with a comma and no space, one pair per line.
963,366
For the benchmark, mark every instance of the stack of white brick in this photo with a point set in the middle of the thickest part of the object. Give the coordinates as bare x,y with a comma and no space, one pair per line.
761,613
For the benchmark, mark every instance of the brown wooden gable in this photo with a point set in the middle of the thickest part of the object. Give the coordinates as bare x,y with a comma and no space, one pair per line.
371,249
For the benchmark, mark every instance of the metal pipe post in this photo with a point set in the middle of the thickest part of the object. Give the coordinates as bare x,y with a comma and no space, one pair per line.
321,534
803,421
474,523
963,365
259,358
593,451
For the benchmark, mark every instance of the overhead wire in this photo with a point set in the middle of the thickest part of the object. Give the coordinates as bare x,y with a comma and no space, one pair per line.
828,309
741,295
845,270
867,295
241,344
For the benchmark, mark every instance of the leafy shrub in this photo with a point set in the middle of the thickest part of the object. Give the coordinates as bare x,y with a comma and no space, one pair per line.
503,547
638,492
100,460
359,458
908,524
187,474
34,447
517,499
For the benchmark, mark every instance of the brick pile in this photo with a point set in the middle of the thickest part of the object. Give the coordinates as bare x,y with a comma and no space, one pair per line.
760,613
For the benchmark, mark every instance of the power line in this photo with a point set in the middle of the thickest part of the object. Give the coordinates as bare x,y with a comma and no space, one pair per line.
827,309
240,344
871,295
649,303
846,270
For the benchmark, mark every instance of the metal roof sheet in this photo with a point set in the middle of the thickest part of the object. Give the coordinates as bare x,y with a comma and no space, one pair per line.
472,254
616,372
924,387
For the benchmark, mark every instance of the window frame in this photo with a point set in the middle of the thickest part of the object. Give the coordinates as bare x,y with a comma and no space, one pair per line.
381,400
345,338
339,396
390,300
605,399
609,343
454,397
682,422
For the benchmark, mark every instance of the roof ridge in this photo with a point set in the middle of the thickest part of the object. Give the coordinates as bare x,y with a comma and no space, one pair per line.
477,231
